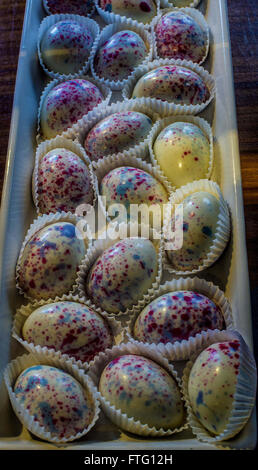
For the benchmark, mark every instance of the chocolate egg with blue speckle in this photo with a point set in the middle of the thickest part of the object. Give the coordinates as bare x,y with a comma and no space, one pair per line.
117,58
55,399
50,261
174,84
122,274
65,47
71,7
139,10
128,185
177,316
116,133
179,36
69,327
65,104
200,218
143,390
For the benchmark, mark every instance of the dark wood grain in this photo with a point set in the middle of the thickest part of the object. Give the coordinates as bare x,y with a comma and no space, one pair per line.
243,18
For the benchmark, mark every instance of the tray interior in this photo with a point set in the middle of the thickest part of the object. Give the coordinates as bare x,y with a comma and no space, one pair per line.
230,273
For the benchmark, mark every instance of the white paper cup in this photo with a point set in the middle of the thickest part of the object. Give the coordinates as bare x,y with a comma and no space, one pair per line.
37,225
17,366
163,123
115,415
81,129
106,93
76,148
183,350
110,17
105,35
49,12
26,310
165,108
244,396
223,228
196,15
88,24
97,249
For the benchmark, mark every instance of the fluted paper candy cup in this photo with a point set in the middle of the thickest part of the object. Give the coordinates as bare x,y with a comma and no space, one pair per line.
216,313
50,256
76,195
137,145
79,7
201,157
46,326
122,420
202,87
132,269
106,34
208,219
87,25
199,20
83,387
92,93
110,16
225,375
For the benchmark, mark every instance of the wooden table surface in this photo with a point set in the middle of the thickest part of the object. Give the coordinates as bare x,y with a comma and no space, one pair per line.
243,18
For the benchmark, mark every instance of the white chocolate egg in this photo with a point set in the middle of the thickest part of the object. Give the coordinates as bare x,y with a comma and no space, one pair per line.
139,10
143,390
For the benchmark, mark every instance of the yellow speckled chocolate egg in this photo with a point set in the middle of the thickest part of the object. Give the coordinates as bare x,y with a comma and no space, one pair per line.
182,151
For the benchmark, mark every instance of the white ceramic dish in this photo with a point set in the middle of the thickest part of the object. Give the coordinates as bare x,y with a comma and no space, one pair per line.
230,273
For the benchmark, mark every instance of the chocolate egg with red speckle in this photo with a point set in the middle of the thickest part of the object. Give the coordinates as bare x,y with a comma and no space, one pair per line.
128,185
182,151
143,390
65,47
50,260
56,400
66,103
200,220
212,384
122,274
174,84
69,327
117,58
116,133
63,182
71,7
139,10
177,316
179,36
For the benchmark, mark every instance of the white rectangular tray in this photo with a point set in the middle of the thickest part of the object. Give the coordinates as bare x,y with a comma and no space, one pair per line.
17,212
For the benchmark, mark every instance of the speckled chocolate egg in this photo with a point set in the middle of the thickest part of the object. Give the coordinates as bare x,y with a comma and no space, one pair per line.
71,7
200,218
139,10
117,133
184,3
182,151
55,399
179,36
66,103
50,261
69,327
64,182
119,55
122,274
143,390
176,316
172,83
128,185
65,47
212,384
